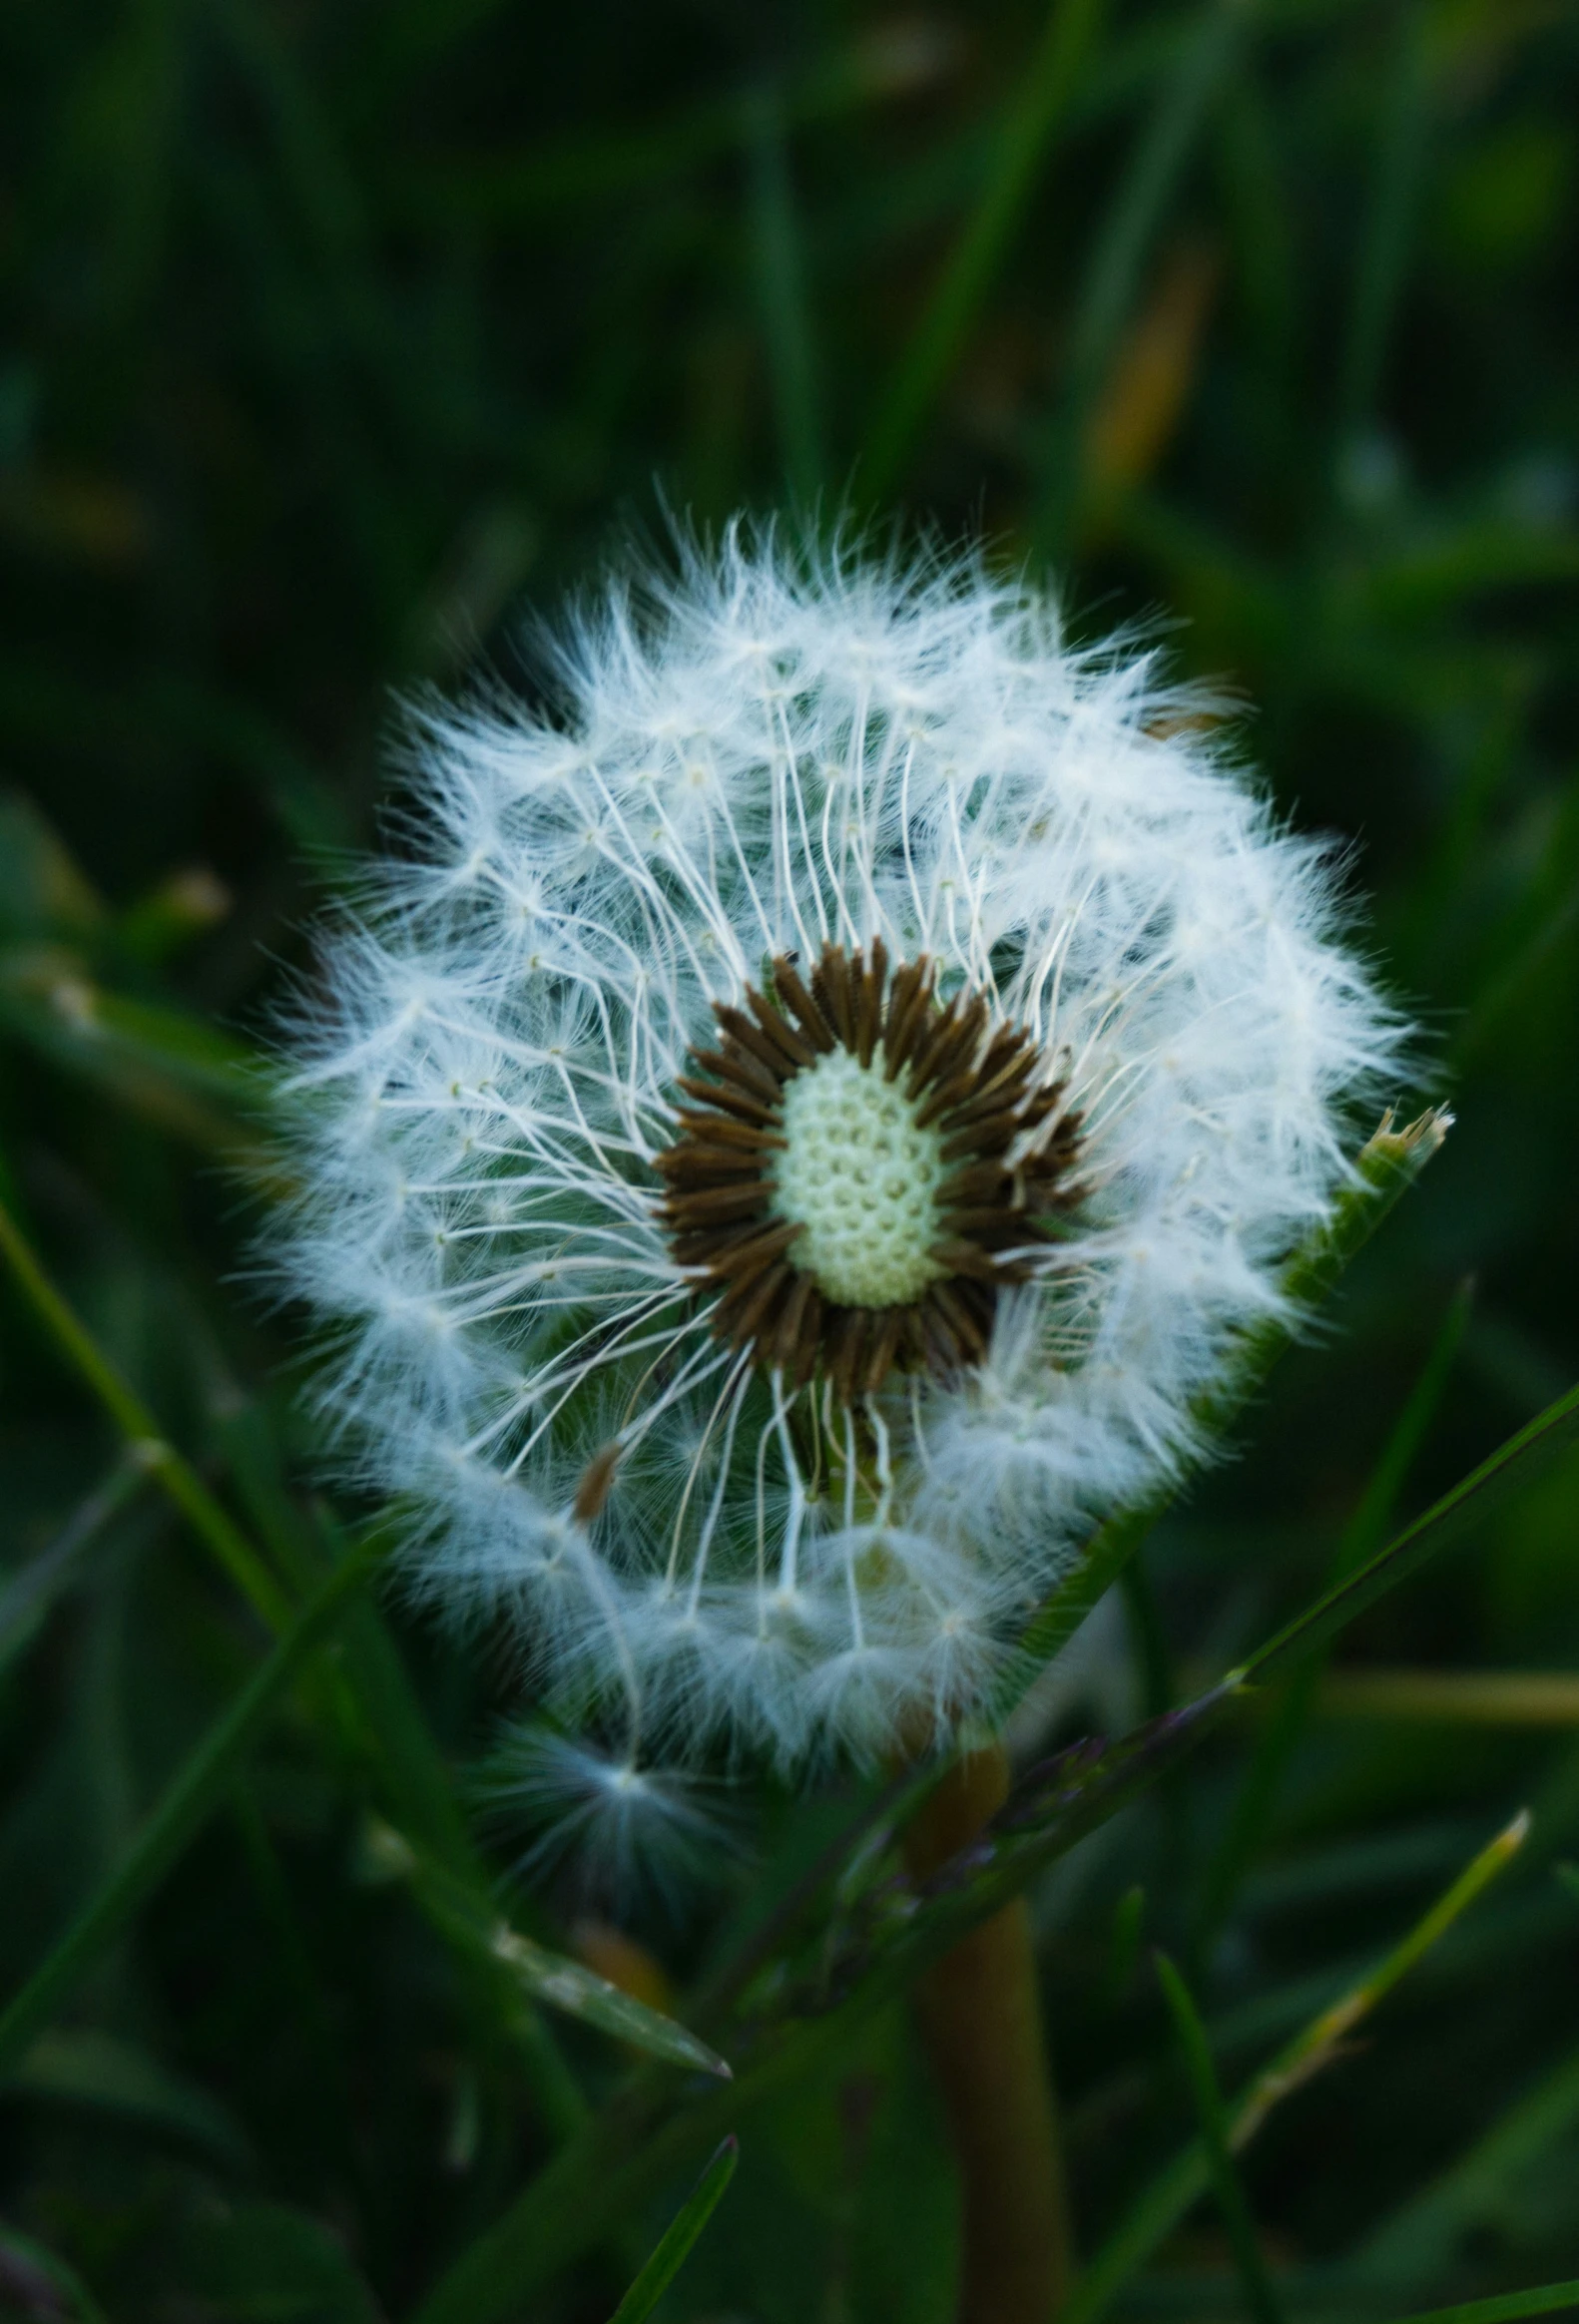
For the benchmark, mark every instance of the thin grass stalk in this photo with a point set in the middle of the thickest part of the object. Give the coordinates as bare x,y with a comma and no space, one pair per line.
1020,151
1108,291
1402,150
27,1598
1170,2194
780,259
145,1439
1503,2307
1361,1536
682,2233
1217,2142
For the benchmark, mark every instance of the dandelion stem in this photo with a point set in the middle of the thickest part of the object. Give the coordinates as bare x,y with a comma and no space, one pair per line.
980,2015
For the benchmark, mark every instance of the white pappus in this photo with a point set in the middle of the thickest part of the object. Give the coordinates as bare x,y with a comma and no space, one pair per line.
784,1146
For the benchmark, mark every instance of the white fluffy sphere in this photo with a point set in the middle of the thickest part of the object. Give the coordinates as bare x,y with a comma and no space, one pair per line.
706,1514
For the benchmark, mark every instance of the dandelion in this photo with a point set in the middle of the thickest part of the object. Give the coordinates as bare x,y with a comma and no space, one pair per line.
793,1133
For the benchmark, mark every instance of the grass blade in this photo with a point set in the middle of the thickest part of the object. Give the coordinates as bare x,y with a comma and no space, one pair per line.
158,1062
144,1437
1108,292
1260,2297
1504,2307
779,257
1384,1169
405,1760
682,2233
1020,151
1360,1538
1512,1466
1170,2194
198,1788
1383,258
28,1596
547,1976
1489,1698
82,2067
41,2285
569,1986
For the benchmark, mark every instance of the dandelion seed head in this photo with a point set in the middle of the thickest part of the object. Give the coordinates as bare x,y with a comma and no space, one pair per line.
792,1136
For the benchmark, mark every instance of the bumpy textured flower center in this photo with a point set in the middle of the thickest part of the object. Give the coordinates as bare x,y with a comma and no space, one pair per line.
863,1168
860,1175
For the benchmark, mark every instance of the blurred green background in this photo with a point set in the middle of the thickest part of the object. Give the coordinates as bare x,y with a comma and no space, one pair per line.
337,342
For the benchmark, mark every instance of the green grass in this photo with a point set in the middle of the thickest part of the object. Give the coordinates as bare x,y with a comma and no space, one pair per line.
340,340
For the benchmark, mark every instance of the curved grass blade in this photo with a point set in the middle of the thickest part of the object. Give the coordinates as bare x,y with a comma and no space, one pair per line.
546,1975
34,2282
1216,2136
1170,2194
156,1060
566,1984
83,2066
1504,2307
198,1788
682,2233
